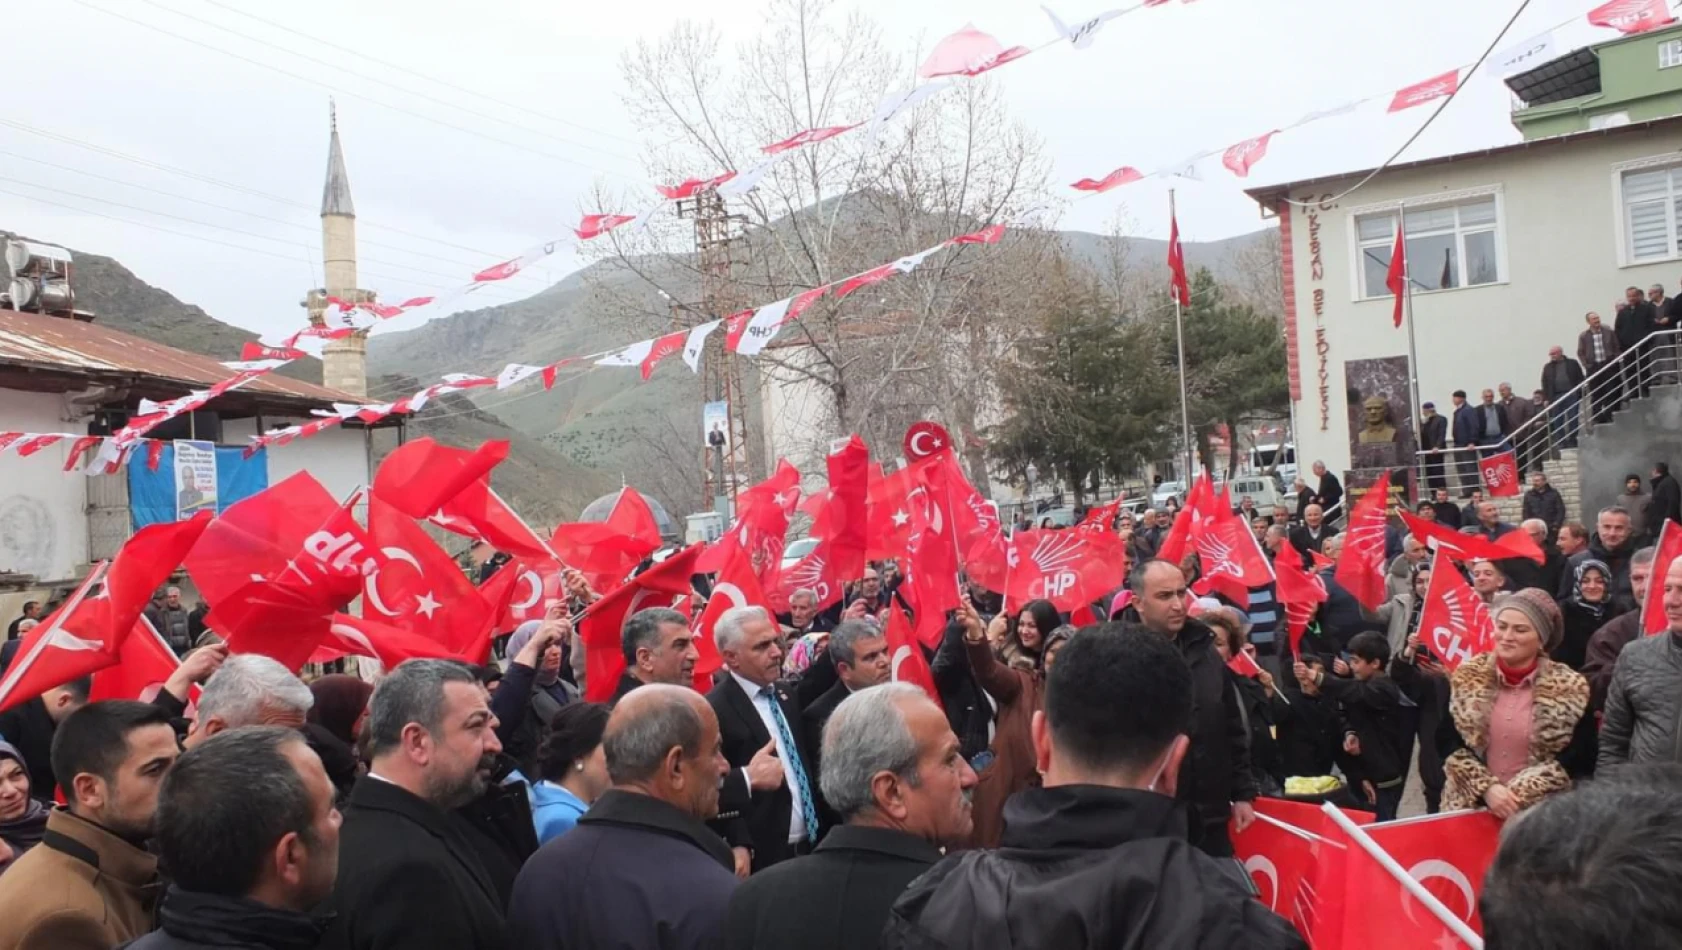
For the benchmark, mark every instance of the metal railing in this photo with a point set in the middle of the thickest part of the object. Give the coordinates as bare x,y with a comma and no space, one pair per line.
1561,423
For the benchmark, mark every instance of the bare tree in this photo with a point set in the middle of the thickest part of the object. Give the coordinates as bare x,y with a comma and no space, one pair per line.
921,345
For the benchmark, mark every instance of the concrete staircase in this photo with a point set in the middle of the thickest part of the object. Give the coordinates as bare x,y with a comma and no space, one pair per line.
1563,474
1646,430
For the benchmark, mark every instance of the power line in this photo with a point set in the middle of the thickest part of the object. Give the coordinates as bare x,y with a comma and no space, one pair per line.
208,224
363,55
374,79
457,261
357,95
206,179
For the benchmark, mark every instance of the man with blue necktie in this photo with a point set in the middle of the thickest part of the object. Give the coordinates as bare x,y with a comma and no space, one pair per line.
764,821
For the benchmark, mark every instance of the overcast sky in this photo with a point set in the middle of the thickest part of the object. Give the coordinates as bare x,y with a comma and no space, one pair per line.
1156,86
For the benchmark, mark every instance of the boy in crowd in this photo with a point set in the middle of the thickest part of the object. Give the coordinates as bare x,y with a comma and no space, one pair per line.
1374,721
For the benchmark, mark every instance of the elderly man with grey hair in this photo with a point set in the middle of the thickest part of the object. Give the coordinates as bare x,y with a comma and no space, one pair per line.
893,769
758,713
249,690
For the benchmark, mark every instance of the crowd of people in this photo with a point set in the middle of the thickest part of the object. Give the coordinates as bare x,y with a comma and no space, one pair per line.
1057,787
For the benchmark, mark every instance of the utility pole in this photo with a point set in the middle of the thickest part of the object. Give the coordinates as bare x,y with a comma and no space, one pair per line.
717,239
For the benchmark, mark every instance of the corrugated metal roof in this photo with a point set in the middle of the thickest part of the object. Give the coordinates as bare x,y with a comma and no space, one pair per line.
59,344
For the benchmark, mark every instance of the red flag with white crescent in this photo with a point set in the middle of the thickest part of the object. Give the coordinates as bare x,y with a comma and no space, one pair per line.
522,590
1669,548
1179,288
419,587
599,627
737,586
908,665
1396,277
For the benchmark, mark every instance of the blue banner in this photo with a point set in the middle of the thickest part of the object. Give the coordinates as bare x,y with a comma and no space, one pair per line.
154,496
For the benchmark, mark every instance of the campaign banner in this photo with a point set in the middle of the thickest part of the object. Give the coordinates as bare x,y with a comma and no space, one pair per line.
195,478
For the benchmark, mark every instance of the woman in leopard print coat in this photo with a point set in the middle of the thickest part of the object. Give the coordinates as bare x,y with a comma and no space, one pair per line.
1514,711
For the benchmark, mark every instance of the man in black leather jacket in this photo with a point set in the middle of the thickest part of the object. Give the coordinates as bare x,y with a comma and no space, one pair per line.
1098,856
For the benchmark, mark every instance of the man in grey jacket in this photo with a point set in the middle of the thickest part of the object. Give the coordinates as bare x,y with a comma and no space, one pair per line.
1643,706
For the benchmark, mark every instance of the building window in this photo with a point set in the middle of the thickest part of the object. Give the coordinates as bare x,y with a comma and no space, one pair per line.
1448,246
1651,200
1670,54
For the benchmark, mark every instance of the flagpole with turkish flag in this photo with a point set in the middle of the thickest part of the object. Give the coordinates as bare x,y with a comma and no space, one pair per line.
1400,282
1180,289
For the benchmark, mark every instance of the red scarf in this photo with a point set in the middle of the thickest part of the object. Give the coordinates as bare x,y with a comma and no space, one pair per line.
1515,677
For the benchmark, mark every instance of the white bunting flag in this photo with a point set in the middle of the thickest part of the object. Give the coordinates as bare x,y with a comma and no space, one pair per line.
632,355
1082,33
748,180
909,263
1522,56
767,320
898,103
696,342
515,373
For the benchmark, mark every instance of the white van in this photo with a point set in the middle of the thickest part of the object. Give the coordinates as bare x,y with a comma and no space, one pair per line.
1262,489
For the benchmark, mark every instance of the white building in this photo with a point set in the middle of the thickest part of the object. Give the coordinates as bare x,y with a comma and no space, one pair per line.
1509,248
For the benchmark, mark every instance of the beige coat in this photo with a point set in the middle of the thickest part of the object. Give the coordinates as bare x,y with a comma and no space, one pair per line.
89,890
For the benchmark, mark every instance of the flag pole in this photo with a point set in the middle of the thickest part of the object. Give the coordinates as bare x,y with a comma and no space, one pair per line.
1407,291
1180,336
1395,870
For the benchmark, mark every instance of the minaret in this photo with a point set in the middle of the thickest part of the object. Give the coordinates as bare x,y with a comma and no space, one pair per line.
344,362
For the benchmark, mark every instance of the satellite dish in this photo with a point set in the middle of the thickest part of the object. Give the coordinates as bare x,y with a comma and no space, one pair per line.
28,257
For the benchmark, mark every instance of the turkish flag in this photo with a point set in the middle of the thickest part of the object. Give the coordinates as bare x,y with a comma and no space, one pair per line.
1500,474
420,589
86,633
737,586
1448,854
596,225
889,502
808,137
1420,93
1470,547
421,475
275,566
1632,16
1301,593
1244,664
1285,852
1454,623
348,635
1241,157
479,512
1668,550
908,663
1361,567
762,515
608,550
932,559
1179,288
1068,568
1125,175
600,626
1396,278
847,512
144,660
522,590
875,275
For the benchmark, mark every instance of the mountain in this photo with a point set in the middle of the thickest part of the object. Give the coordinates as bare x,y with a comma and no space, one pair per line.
543,484
610,421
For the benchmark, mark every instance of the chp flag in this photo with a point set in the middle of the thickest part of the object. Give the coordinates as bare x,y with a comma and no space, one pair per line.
1500,474
1454,624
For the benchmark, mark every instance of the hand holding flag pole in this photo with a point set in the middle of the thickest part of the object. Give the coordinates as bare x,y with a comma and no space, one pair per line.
1417,890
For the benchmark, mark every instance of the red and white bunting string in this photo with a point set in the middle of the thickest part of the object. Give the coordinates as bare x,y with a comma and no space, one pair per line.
27,444
1625,16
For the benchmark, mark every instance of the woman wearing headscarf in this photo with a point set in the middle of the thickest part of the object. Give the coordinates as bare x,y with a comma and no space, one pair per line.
1514,712
1022,636
334,721
23,820
573,768
1587,609
1019,694
532,692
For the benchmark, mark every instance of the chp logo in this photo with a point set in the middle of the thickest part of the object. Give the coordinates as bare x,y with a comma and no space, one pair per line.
1500,474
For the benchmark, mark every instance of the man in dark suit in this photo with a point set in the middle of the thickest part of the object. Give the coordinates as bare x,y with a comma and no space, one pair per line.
764,822
658,648
1636,319
409,876
1468,432
1328,491
861,660
895,773
1433,437
1309,538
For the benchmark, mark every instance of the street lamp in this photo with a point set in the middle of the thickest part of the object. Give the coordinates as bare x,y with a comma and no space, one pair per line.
1032,472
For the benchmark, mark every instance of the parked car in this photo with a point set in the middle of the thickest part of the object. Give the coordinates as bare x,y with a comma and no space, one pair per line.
797,550
1262,489
1167,490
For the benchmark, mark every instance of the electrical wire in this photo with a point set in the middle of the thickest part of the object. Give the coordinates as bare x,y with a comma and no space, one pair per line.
1523,5
378,81
206,179
356,95
312,228
364,55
